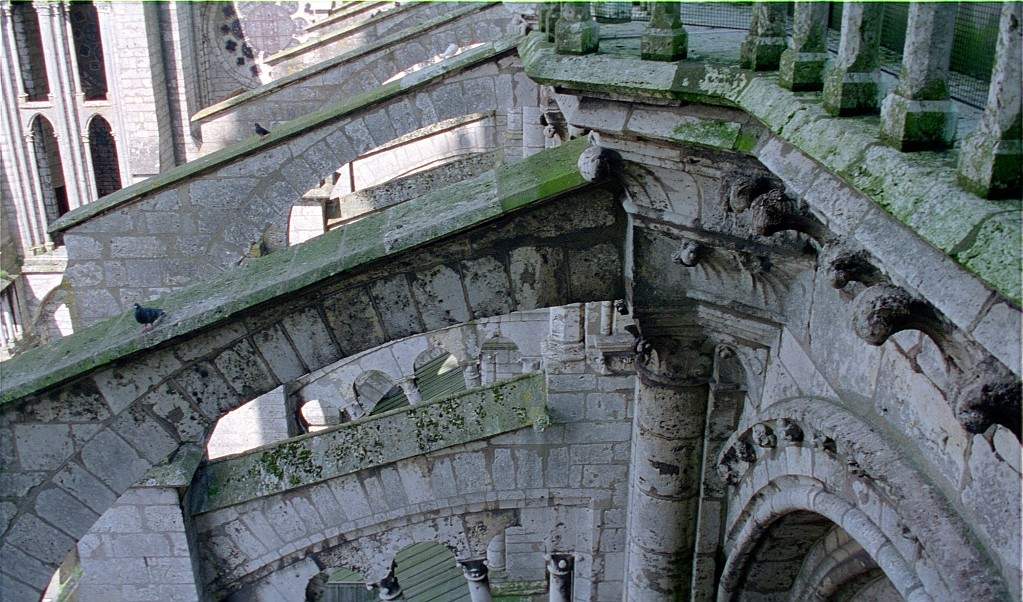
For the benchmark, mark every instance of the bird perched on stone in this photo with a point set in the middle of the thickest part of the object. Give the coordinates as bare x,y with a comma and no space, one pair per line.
148,316
261,131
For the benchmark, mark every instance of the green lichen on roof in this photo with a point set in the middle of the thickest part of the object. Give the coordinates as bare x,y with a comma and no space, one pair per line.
345,57
918,189
441,213
287,131
373,441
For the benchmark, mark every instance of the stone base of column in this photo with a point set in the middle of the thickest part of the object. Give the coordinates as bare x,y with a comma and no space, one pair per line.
848,93
990,168
912,125
761,53
664,44
801,71
576,37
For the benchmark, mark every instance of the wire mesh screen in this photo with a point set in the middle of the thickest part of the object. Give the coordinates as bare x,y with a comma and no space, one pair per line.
717,14
973,46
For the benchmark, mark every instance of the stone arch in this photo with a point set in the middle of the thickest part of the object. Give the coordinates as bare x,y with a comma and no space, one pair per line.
49,168
377,392
106,170
28,41
813,455
499,360
838,567
52,320
88,45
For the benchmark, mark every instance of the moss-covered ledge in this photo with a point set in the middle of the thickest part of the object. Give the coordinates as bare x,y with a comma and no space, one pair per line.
202,306
917,189
345,57
285,132
371,442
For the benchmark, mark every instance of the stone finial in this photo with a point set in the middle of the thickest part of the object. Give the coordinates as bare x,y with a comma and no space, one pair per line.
763,436
852,84
989,395
597,163
576,32
762,48
802,64
883,310
990,157
688,253
664,39
846,265
918,114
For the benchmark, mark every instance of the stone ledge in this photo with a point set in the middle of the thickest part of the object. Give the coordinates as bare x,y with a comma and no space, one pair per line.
374,441
442,213
304,74
342,13
917,189
287,131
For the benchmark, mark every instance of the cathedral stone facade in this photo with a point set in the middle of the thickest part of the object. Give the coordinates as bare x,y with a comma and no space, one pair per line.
568,301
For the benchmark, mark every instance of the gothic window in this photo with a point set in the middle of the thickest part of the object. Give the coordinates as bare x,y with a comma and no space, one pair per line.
29,44
49,169
103,151
92,76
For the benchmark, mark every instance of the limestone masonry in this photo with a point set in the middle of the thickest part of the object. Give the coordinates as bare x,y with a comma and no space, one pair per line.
581,301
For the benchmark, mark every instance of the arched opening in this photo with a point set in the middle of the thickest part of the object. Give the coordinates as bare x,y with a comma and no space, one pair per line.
437,374
92,75
29,43
49,169
377,393
499,360
103,151
805,556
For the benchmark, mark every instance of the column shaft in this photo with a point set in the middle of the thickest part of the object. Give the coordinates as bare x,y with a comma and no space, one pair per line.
990,157
802,63
918,114
576,32
476,576
559,571
665,39
762,48
851,85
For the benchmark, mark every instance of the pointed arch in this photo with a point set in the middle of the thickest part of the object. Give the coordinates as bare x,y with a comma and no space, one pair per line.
103,152
88,44
49,168
28,41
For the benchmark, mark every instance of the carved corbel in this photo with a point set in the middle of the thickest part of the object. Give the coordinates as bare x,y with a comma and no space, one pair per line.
597,163
884,309
774,211
845,265
740,187
688,253
989,395
763,436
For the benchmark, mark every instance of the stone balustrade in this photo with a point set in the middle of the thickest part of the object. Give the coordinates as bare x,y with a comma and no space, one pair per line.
916,115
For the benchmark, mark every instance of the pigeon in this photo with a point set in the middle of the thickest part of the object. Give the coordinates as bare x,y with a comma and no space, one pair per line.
147,316
261,131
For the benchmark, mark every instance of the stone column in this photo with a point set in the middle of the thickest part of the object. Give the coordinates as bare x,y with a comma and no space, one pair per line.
475,572
576,32
665,39
667,446
408,386
38,212
564,350
802,63
990,157
762,48
559,569
918,114
852,84
551,20
471,372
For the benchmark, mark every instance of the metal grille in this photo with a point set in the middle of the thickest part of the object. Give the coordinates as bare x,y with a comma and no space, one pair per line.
717,14
973,45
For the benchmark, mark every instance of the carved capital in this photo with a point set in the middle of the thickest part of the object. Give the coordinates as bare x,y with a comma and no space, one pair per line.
989,395
688,253
673,362
388,587
474,570
559,565
597,163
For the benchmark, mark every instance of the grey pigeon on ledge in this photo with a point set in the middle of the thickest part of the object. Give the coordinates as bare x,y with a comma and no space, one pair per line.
261,131
147,316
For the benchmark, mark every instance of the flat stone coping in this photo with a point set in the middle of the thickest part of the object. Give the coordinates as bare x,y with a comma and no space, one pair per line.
396,229
276,85
373,441
918,189
344,12
286,131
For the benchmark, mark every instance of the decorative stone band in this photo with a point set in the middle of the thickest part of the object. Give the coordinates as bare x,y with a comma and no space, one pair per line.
373,441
